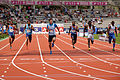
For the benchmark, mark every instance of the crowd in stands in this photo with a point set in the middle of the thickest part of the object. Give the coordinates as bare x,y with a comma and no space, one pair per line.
59,15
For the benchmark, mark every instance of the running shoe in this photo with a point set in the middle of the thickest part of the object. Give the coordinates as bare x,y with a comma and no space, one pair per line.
10,47
73,47
50,52
89,49
113,49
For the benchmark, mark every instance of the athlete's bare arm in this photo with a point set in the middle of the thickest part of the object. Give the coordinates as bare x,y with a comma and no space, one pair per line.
84,31
24,28
69,30
93,29
77,29
7,29
108,30
58,30
116,31
32,28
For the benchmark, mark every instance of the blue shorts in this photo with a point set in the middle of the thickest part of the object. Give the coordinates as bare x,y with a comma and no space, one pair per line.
12,36
29,36
111,36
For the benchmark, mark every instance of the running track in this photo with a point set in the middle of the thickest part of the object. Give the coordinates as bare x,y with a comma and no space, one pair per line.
66,63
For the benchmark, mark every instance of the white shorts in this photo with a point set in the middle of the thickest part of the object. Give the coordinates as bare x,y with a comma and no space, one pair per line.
91,36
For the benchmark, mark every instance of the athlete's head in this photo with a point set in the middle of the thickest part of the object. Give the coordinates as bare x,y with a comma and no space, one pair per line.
11,23
29,22
112,23
50,21
0,22
85,20
73,23
90,23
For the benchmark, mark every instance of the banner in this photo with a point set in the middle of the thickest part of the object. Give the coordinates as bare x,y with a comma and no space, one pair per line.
39,28
71,3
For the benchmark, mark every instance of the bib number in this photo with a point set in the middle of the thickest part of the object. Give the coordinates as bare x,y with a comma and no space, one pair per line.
112,30
73,31
11,30
51,31
28,31
90,31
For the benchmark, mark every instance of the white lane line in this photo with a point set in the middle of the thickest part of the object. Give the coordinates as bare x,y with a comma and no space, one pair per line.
29,59
26,70
101,49
84,64
6,38
91,54
3,59
2,76
7,67
8,43
37,62
63,69
2,79
98,43
5,71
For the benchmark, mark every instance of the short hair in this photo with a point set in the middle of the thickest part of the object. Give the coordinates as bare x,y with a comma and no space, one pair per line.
113,22
50,19
28,21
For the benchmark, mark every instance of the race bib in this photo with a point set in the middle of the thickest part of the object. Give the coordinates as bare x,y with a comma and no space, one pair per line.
11,30
51,31
90,31
28,31
112,30
73,31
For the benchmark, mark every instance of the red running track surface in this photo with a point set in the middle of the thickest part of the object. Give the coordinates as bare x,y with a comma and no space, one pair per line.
66,63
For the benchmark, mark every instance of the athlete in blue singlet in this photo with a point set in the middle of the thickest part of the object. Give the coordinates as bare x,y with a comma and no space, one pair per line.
28,30
10,30
73,29
111,33
52,35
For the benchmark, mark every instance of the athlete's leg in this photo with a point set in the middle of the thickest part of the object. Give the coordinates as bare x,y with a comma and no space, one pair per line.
114,39
50,46
92,40
73,40
30,38
89,42
50,43
89,38
10,42
54,39
110,39
13,38
27,40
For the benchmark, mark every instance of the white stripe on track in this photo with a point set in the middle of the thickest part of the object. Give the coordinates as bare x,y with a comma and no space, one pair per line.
91,54
83,64
63,69
8,43
26,70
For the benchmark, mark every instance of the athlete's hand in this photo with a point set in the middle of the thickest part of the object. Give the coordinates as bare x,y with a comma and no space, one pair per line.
23,32
116,35
108,36
83,35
